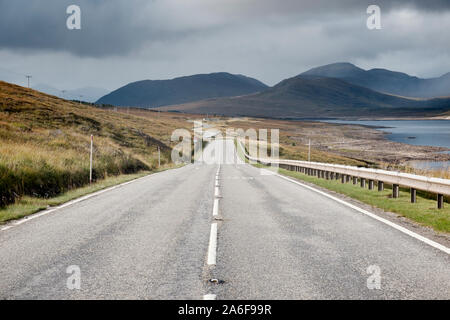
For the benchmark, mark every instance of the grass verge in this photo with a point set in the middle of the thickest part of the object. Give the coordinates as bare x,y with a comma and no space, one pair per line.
28,205
424,212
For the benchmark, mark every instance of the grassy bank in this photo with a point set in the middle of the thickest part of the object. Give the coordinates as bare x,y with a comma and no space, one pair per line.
28,205
45,143
423,212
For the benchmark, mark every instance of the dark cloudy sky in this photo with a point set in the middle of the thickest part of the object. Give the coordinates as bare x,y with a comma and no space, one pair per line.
129,40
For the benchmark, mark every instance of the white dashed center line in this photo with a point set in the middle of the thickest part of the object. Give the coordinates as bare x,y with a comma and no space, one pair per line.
212,249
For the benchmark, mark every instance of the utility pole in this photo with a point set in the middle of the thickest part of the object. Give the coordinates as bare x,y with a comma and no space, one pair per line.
81,97
309,150
28,80
90,160
159,157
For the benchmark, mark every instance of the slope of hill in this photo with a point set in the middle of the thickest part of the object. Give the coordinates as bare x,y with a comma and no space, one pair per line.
155,93
45,142
385,80
316,97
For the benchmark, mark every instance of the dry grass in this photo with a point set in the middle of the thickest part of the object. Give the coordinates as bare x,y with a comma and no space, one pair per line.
45,142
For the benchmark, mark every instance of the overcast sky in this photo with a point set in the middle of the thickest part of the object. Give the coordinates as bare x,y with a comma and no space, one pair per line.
124,41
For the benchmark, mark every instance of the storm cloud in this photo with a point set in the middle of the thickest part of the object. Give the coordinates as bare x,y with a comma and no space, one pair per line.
122,41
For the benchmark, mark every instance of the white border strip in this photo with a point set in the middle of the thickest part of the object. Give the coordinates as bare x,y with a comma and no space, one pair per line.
374,216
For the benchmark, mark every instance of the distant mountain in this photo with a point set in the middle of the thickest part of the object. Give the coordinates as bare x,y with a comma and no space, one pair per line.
88,94
155,93
316,97
385,80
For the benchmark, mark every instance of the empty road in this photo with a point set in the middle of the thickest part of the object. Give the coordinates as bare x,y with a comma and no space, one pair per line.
261,236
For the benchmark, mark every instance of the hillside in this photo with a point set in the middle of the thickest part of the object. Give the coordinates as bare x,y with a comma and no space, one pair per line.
44,142
315,97
385,80
155,93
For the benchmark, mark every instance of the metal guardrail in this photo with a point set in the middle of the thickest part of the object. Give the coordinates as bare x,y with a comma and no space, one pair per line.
328,171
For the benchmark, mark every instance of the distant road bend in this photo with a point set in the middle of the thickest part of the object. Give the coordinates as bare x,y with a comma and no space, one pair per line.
167,235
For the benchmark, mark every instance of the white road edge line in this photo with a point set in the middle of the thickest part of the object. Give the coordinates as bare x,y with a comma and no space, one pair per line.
216,207
71,202
209,297
374,216
216,192
212,249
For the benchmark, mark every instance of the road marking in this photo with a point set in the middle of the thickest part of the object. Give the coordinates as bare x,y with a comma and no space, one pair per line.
212,245
374,216
209,297
216,192
216,207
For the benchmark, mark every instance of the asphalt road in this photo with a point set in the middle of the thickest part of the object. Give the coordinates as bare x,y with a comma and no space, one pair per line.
152,239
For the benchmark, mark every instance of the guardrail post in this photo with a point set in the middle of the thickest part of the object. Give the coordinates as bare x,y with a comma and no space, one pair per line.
363,182
395,190
355,180
327,175
380,185
337,176
440,201
413,195
370,184
347,179
342,178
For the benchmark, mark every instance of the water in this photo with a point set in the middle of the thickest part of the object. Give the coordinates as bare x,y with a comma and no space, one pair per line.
427,165
416,132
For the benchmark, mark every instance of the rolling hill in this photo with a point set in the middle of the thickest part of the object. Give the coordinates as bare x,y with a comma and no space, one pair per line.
155,93
316,97
385,80
45,143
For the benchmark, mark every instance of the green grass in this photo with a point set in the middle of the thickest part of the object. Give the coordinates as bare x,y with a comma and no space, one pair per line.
424,212
28,205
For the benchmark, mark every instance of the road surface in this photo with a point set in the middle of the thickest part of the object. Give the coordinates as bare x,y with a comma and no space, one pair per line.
153,239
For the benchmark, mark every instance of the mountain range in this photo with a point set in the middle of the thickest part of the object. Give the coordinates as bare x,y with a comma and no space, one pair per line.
385,81
307,96
155,93
88,94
